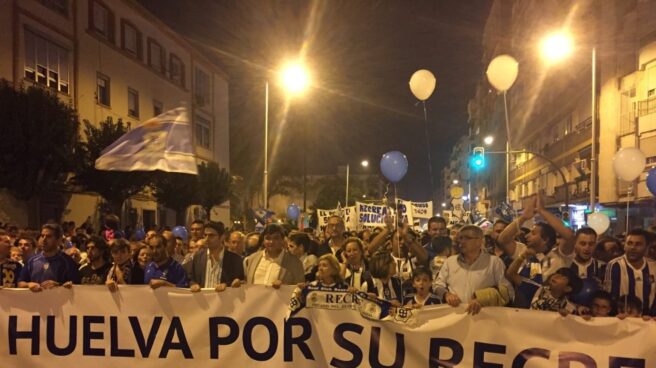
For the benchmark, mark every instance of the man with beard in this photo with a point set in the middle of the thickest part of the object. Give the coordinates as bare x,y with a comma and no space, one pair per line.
50,268
632,275
95,271
334,238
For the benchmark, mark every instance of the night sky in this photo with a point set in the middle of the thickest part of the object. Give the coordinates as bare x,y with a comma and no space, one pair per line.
361,55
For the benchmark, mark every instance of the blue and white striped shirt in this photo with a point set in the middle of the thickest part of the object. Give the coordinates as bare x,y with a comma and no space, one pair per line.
623,279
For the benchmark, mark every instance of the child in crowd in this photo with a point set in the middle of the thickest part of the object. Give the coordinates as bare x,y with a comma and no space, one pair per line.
16,254
423,286
629,306
552,296
382,283
602,304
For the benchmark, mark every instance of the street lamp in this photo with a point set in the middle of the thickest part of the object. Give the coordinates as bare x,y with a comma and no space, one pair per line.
294,79
364,163
455,181
488,140
556,47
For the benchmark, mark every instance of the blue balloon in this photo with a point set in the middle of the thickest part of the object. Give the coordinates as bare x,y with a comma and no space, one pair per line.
180,232
651,181
394,166
293,211
140,234
584,297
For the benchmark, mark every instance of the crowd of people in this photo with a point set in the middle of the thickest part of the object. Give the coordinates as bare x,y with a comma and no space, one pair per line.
546,267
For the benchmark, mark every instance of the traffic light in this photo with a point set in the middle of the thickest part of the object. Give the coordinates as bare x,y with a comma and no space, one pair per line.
477,161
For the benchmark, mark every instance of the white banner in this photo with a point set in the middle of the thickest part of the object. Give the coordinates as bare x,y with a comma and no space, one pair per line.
422,209
323,216
348,215
88,326
371,215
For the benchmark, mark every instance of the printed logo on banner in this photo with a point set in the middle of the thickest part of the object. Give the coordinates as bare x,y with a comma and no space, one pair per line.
330,300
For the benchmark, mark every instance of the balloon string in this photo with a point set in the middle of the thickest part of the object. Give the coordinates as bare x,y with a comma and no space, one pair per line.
428,147
398,241
628,202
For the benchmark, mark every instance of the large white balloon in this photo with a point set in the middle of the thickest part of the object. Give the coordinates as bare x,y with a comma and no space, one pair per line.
629,163
599,222
422,84
502,72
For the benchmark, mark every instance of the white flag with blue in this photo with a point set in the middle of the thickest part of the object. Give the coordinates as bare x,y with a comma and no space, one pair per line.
161,143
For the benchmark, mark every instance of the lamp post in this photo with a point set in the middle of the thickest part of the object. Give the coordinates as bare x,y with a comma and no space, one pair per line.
294,79
556,47
364,163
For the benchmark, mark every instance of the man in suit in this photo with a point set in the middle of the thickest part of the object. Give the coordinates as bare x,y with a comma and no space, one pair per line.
273,265
213,266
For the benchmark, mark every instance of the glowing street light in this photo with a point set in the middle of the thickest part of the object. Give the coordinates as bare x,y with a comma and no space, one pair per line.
488,140
295,79
455,181
364,163
556,47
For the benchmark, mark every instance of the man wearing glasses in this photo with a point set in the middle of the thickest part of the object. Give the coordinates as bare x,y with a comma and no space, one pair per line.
213,266
473,276
334,233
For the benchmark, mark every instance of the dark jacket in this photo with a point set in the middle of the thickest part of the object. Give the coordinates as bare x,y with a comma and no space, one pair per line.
231,269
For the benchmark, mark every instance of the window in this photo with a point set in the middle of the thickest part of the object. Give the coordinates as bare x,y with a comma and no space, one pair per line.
203,129
155,56
133,103
177,71
102,93
201,87
101,20
158,108
46,63
60,6
130,39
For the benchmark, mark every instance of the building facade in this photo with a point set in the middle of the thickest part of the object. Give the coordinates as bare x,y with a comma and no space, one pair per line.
550,105
113,59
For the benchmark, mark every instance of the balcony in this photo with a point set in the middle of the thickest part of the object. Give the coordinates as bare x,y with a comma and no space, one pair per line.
567,143
647,115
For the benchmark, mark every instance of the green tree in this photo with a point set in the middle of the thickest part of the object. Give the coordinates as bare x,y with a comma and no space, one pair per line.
176,191
114,186
39,137
214,185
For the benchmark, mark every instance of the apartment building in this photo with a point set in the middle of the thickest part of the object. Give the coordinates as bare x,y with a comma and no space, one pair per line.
550,104
114,59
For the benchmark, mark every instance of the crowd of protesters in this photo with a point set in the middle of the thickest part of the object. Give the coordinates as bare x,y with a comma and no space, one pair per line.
546,267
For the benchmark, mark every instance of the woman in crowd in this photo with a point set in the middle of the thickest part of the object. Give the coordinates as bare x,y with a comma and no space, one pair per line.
140,260
354,266
382,283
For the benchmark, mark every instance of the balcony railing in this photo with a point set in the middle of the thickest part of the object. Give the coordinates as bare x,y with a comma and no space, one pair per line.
646,107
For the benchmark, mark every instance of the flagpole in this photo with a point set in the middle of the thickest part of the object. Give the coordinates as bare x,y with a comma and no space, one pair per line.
266,145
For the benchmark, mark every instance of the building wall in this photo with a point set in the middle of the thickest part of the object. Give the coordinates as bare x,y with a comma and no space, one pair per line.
92,54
